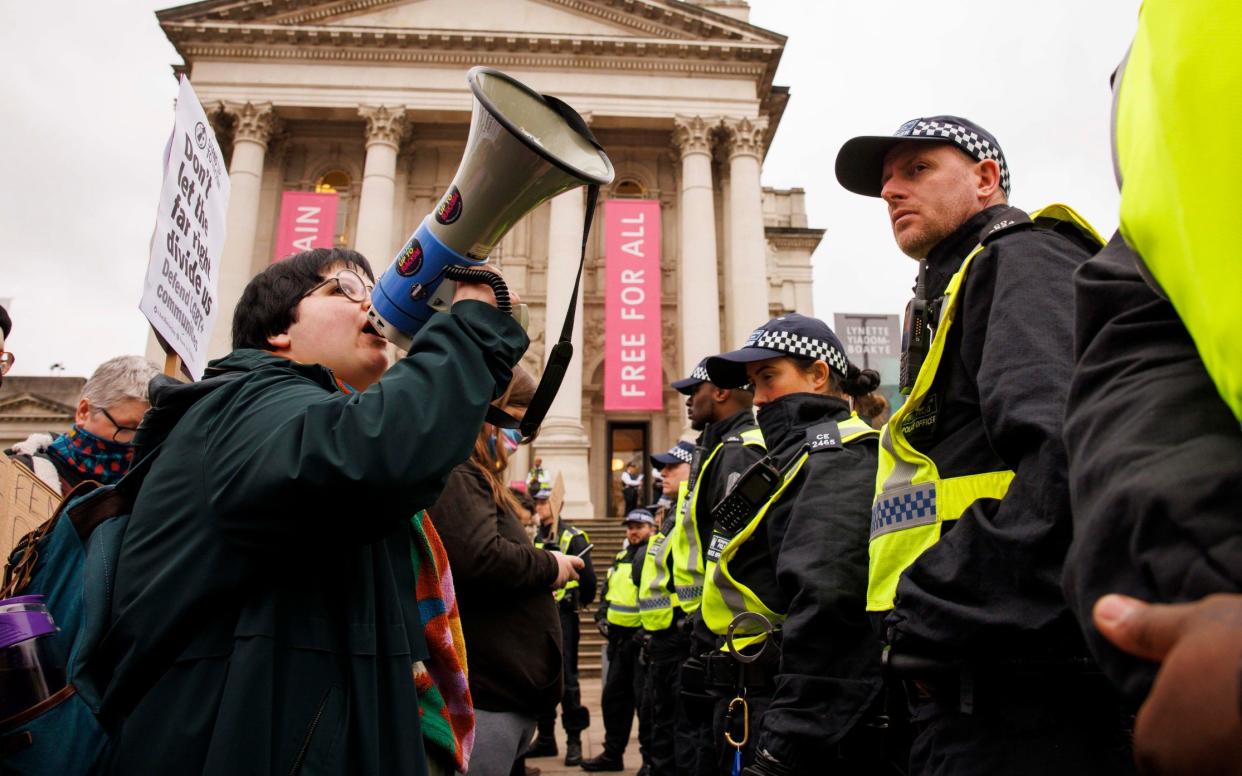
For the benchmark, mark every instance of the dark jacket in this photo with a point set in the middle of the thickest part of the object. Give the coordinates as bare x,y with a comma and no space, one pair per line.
584,593
264,618
716,478
504,593
808,558
991,586
1155,459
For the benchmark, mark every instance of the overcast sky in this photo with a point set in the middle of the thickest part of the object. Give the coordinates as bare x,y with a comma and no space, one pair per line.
88,99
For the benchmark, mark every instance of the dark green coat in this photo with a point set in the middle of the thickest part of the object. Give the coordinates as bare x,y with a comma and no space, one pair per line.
265,619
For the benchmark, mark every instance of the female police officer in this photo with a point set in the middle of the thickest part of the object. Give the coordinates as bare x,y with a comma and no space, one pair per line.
790,543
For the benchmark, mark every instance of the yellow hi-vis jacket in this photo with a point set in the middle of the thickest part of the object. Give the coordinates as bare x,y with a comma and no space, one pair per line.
622,593
567,535
912,500
655,601
690,564
1176,114
723,596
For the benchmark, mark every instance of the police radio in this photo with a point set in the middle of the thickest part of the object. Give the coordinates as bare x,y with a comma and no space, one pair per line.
915,337
751,491
523,149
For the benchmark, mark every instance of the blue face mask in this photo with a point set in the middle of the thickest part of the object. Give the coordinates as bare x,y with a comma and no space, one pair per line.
512,438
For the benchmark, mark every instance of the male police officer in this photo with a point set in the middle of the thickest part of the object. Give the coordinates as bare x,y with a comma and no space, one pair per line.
971,520
664,641
577,593
1156,502
729,442
618,619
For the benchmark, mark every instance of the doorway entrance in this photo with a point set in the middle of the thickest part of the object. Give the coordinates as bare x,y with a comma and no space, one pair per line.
628,443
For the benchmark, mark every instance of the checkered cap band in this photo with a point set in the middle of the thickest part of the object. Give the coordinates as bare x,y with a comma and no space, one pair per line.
903,508
798,345
681,454
700,374
968,140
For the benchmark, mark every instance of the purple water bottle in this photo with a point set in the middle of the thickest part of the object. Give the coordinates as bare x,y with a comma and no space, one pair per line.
29,670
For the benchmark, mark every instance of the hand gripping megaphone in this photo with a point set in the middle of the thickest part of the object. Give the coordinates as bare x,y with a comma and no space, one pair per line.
523,149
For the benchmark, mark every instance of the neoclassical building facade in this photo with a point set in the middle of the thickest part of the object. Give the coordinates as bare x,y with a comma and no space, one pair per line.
367,99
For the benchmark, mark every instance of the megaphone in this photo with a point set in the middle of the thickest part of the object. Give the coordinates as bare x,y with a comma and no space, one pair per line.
523,149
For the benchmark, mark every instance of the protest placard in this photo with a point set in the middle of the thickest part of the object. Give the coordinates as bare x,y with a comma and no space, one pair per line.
179,297
26,502
872,341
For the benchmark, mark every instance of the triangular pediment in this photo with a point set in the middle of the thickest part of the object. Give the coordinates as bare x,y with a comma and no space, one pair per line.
32,406
649,19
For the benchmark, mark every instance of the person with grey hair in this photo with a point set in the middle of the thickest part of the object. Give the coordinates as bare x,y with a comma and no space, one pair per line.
99,446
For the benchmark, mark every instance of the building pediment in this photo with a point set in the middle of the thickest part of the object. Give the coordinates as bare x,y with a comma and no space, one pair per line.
28,406
669,19
601,34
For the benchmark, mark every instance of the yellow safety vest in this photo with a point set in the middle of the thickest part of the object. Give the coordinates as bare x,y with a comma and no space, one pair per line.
567,535
1175,143
912,500
723,596
622,594
655,602
689,560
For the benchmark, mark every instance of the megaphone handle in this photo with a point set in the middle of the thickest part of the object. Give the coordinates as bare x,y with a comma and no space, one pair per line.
472,275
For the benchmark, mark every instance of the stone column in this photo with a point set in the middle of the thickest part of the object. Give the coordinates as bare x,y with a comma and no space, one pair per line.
254,125
747,294
698,291
563,442
385,127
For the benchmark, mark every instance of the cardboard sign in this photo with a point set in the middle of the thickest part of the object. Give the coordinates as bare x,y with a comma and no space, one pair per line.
633,375
26,503
307,220
556,501
179,297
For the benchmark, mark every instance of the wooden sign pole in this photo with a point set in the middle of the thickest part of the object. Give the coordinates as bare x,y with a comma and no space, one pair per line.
172,364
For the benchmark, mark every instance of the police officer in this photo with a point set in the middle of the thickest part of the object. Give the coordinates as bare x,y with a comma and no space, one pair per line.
664,641
788,559
1152,420
577,593
619,621
728,443
971,520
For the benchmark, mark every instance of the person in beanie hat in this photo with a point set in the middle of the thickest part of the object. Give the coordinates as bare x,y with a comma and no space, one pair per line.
971,521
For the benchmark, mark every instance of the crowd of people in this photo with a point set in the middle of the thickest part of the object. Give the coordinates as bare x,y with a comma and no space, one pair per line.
1030,567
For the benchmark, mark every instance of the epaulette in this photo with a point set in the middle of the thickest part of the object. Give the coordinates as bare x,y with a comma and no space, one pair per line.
1010,219
823,436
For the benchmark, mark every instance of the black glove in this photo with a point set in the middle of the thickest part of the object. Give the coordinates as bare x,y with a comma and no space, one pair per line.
601,625
766,765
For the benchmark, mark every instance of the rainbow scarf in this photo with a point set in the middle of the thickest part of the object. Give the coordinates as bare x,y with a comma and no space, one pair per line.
445,709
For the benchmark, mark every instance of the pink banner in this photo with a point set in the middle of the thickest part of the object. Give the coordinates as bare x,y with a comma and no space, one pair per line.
633,378
307,220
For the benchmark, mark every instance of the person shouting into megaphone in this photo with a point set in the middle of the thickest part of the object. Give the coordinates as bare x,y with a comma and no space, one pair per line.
265,600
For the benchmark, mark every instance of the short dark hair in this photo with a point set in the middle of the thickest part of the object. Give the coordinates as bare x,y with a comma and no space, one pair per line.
6,323
266,307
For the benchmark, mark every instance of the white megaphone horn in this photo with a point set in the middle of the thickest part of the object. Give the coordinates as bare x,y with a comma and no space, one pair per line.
524,148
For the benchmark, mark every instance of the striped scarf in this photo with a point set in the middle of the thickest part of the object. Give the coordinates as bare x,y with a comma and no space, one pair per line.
445,709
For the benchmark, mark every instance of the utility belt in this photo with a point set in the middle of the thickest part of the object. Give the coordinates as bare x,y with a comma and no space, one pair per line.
569,601
967,685
723,675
